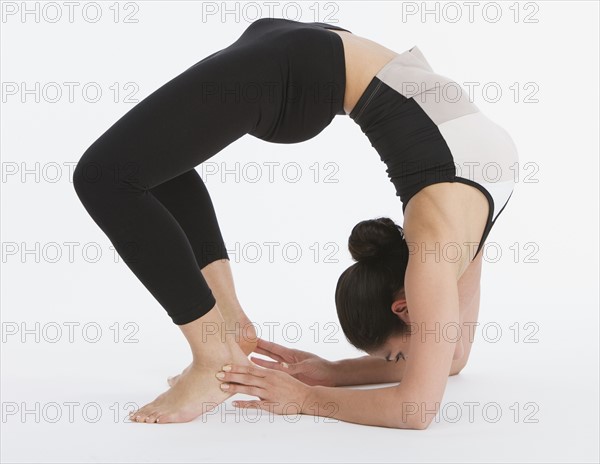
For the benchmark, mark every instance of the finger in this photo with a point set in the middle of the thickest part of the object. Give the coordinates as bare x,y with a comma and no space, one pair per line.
243,379
269,354
264,363
254,404
273,347
245,369
245,389
278,366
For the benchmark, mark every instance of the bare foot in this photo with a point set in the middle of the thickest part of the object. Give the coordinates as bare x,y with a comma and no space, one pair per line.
196,392
245,338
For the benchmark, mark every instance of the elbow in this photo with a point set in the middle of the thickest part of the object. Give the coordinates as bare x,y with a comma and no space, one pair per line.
421,425
425,418
456,371
415,423
415,415
458,365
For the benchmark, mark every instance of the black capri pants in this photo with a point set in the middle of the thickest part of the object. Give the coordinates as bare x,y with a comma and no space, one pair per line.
281,81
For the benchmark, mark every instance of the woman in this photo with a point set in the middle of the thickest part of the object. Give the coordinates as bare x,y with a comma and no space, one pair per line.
284,81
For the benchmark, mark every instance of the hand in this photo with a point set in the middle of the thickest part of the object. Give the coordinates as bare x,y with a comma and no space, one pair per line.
302,365
279,392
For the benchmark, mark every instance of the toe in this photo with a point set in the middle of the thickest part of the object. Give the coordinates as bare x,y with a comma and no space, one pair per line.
142,413
135,415
151,419
165,417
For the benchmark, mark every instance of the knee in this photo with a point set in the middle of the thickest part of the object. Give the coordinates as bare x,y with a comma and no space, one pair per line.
106,173
87,177
94,177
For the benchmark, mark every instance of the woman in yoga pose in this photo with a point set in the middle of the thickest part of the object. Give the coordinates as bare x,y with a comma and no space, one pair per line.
284,81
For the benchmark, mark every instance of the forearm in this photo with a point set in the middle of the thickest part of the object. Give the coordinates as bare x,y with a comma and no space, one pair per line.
366,370
379,407
370,370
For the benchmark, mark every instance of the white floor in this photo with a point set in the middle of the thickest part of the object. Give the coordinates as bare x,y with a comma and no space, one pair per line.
515,402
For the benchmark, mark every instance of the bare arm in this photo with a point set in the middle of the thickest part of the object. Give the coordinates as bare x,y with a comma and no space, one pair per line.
432,295
364,370
432,292
314,370
371,369
469,292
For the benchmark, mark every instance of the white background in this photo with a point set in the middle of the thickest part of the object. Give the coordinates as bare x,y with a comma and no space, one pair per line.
547,371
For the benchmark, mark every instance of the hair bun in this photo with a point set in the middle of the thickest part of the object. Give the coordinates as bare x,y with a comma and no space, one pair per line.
376,238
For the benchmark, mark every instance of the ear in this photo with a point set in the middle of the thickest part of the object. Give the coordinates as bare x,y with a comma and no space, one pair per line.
400,309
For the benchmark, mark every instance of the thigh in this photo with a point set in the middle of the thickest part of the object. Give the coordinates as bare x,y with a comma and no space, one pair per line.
183,123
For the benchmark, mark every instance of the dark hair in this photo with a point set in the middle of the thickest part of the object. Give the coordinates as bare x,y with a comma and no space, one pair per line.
365,291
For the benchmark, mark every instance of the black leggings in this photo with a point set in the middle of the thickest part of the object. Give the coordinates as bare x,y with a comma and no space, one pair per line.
281,81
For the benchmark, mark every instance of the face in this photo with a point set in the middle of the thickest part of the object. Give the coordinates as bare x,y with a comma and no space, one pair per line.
396,347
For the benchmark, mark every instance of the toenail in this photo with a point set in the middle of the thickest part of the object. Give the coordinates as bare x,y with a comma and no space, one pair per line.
220,375
224,386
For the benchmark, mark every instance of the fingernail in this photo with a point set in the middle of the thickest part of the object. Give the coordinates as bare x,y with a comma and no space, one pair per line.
284,364
220,375
224,386
227,367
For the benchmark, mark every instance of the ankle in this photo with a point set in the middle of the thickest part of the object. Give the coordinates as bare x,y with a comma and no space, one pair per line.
248,340
231,310
241,332
213,356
